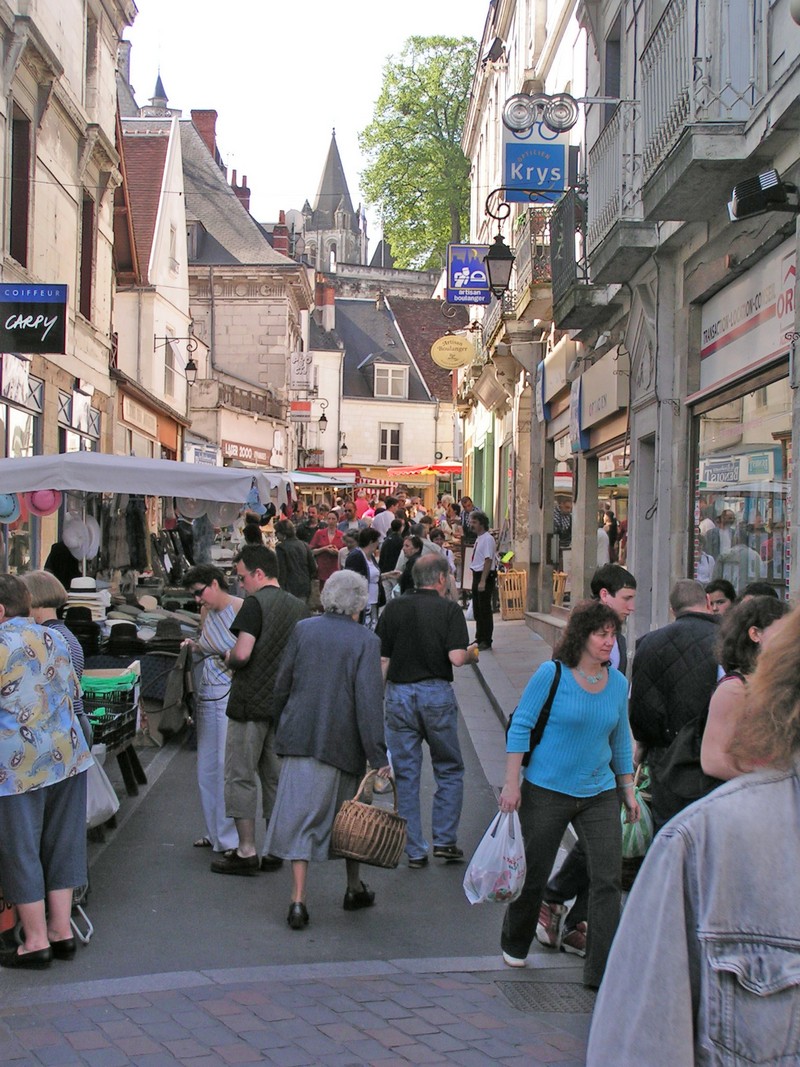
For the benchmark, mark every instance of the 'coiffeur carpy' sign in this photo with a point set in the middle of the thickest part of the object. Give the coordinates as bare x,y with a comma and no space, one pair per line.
33,318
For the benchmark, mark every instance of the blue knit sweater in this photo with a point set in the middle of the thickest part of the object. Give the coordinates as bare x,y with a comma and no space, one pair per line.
587,740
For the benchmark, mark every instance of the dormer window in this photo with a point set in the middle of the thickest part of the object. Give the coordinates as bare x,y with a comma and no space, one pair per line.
391,382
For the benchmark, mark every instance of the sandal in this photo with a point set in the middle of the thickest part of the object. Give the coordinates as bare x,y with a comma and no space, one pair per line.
202,842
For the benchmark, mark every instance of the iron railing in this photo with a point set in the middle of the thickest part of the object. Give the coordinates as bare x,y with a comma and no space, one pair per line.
615,169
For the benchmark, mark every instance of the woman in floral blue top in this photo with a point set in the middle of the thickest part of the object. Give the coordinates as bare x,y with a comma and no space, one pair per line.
43,755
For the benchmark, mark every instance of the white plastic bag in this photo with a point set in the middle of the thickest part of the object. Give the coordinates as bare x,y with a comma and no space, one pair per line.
101,800
470,615
496,872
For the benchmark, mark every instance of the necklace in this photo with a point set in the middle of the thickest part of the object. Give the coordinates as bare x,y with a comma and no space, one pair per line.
592,679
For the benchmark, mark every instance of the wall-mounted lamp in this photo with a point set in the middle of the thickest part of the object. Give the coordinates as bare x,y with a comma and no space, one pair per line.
765,192
499,260
322,421
190,367
343,449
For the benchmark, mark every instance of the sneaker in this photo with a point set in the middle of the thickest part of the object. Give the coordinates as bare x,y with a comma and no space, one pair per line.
417,862
550,927
451,853
512,961
574,941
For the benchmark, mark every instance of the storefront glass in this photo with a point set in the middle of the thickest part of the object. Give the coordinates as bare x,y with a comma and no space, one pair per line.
742,489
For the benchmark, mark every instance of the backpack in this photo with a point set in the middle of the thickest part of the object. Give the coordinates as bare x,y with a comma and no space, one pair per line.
538,728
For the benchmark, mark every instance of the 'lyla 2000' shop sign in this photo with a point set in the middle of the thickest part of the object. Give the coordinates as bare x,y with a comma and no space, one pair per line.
33,318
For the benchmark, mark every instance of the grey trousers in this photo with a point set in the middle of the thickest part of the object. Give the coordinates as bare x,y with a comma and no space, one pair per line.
545,815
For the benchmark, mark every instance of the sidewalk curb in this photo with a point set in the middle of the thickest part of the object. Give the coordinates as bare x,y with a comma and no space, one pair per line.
499,683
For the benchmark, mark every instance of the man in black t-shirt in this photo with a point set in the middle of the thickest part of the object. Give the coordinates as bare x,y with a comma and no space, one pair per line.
423,636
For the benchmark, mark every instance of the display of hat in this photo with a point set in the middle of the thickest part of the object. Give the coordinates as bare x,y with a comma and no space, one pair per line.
168,637
223,513
124,640
190,507
77,613
93,526
83,585
43,502
76,536
147,602
9,507
254,502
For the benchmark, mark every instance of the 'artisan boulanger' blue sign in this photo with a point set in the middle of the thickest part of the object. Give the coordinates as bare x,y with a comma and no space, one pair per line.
33,318
467,281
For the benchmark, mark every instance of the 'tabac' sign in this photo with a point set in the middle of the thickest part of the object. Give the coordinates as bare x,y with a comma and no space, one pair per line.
535,162
467,281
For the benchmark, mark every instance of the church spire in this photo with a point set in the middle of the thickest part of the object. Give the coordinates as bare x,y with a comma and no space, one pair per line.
332,194
159,97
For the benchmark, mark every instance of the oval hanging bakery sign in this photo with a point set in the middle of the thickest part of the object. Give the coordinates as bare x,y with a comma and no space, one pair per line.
452,351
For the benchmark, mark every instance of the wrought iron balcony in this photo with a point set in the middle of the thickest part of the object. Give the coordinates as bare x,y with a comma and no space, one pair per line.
254,403
701,79
577,304
618,240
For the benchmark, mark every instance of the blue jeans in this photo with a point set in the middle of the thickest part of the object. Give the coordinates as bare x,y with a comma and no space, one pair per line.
417,712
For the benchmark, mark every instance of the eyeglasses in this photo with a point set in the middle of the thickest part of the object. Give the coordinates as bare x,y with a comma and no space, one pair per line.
197,593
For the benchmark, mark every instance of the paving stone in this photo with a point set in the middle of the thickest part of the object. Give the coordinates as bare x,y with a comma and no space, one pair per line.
316,1014
483,1021
414,1026
442,1042
55,1055
105,1057
291,1057
340,1031
419,1053
38,1037
239,1053
185,1048
157,1059
387,1009
88,1039
137,1046
223,1007
130,1000
437,1015
166,1031
121,1028
321,1045
272,1012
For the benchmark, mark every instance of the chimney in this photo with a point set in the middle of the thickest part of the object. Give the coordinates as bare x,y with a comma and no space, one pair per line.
280,235
242,191
205,122
328,306
124,61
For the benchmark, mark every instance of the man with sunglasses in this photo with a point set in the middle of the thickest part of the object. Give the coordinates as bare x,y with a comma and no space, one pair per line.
262,628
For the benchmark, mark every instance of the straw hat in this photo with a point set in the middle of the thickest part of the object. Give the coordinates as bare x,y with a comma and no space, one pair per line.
43,502
93,527
76,536
9,507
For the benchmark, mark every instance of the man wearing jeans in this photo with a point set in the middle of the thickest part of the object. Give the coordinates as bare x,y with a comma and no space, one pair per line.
423,636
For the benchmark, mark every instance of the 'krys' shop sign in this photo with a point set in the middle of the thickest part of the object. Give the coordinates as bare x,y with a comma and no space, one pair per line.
33,318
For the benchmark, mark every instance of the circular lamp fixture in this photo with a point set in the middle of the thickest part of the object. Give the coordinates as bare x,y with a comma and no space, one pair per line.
499,260
561,112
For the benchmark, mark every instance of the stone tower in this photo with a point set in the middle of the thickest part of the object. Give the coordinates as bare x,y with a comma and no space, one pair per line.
334,232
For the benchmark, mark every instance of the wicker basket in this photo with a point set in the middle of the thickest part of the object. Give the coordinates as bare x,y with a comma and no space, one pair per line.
371,835
513,587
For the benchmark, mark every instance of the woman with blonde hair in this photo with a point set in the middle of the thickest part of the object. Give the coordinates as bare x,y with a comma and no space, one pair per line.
716,906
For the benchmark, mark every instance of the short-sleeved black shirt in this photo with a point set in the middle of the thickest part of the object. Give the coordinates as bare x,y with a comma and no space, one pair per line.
417,631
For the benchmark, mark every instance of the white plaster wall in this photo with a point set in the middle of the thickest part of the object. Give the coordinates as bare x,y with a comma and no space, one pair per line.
362,418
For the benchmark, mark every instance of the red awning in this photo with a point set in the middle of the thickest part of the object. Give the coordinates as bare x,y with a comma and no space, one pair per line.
444,469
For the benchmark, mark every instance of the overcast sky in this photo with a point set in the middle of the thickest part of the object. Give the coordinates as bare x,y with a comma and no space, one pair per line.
282,74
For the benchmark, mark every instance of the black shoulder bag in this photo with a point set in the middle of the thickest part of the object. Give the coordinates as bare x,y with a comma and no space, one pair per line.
538,729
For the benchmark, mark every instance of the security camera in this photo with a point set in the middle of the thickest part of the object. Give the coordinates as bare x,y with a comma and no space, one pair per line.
765,192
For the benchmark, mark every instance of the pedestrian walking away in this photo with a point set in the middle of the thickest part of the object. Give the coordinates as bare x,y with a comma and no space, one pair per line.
325,736
578,773
423,636
484,579
262,628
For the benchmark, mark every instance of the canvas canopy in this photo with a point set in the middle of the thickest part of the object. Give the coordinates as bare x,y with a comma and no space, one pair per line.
96,472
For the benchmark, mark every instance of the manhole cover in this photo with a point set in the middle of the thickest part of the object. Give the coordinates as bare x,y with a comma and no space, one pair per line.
548,996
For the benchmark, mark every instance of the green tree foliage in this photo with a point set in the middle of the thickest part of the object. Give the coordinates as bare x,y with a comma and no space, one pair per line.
417,174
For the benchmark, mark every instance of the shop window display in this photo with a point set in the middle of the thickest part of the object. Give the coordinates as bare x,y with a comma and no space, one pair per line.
741,519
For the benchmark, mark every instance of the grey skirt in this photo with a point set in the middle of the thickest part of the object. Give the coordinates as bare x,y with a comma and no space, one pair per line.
309,795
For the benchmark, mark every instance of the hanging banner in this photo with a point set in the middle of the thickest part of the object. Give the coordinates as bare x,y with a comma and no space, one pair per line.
467,281
33,318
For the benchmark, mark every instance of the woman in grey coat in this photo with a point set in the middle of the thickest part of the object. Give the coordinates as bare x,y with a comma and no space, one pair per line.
326,734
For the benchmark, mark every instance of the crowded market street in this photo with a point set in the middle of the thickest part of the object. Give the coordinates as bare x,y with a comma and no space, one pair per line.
187,967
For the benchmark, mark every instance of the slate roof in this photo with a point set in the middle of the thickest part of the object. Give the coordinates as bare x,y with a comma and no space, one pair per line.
369,335
145,156
231,234
320,340
421,323
332,194
382,256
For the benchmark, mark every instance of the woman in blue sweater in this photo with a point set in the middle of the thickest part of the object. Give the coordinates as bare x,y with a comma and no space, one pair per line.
578,773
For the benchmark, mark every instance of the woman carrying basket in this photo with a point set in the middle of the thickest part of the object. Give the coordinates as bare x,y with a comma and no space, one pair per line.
579,773
325,735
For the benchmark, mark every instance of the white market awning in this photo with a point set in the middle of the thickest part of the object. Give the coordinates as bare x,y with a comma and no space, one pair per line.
97,472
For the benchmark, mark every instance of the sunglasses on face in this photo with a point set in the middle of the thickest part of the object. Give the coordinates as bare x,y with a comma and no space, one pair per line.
197,593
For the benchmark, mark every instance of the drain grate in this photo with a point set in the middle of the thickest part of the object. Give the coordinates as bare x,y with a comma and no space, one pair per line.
548,996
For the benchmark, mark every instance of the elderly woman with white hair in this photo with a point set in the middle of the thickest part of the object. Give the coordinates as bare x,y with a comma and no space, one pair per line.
326,733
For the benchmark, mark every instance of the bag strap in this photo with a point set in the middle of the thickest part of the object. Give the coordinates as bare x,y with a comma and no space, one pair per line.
538,728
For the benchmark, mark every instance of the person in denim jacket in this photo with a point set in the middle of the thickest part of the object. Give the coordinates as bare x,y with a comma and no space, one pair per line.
705,967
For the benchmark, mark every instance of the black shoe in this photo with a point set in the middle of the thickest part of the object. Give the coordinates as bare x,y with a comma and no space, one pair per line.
298,916
63,950
451,853
270,862
359,898
418,862
232,863
34,961
484,646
